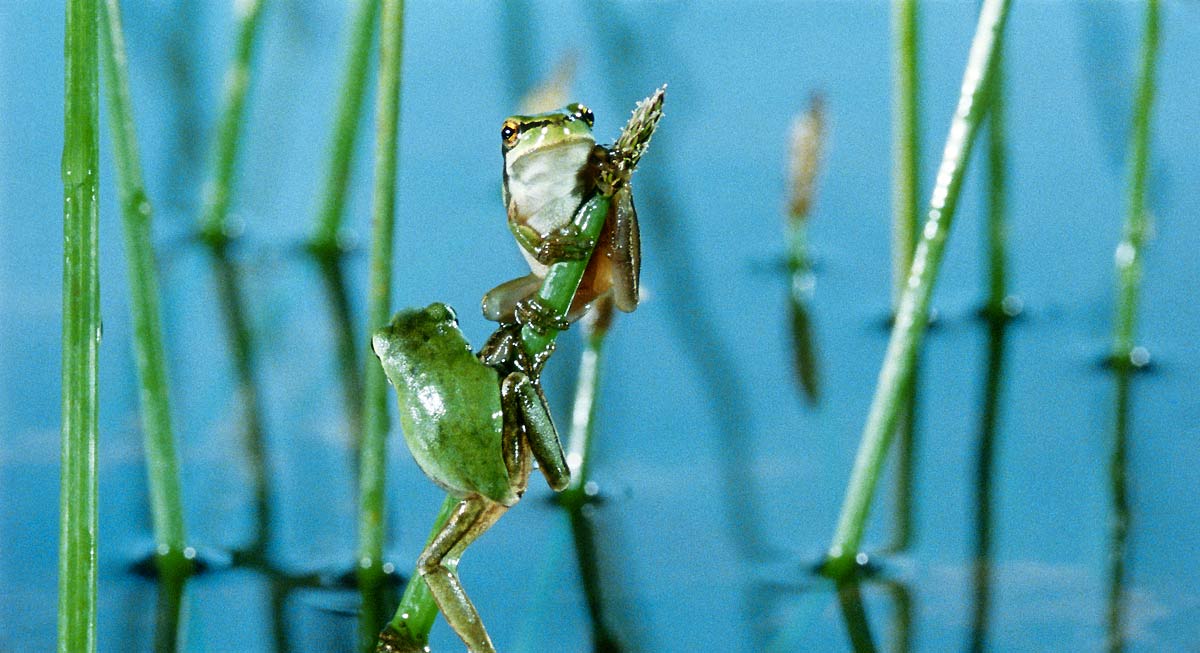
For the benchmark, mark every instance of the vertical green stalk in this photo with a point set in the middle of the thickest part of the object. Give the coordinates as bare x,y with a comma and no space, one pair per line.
913,311
906,143
80,332
375,414
159,441
906,215
583,412
324,238
1129,251
218,187
997,222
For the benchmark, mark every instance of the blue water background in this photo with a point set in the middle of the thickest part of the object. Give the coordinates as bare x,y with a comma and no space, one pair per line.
722,485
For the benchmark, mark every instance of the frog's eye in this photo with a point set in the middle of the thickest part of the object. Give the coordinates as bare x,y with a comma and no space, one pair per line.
509,132
585,113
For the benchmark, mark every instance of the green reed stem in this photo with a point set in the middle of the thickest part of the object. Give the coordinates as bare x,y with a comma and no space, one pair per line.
80,332
375,414
219,186
409,628
354,87
906,143
997,219
166,505
583,412
906,215
1129,252
913,311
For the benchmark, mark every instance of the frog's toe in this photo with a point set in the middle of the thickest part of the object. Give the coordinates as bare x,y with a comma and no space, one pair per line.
537,315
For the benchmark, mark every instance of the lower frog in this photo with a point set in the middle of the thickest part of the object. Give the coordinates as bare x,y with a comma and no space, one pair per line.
475,424
552,169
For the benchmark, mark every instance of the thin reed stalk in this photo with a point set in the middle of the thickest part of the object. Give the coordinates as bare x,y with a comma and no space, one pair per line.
583,412
1137,223
912,315
219,186
166,505
324,239
373,453
80,332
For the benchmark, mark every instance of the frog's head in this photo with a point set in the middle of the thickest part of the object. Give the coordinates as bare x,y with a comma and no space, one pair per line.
419,329
558,140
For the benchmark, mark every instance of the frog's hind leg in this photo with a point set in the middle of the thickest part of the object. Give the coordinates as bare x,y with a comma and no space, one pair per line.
500,303
438,566
523,397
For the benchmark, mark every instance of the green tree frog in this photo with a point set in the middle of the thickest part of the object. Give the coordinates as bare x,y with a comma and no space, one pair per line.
475,425
551,164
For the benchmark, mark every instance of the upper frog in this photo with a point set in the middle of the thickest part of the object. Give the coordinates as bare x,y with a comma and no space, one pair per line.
545,163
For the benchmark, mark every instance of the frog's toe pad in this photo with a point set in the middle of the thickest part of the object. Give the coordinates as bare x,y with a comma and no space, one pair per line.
533,313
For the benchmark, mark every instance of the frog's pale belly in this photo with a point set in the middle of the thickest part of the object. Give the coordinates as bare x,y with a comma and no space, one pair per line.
545,188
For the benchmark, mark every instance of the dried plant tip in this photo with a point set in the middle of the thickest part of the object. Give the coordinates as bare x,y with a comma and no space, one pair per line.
807,141
636,136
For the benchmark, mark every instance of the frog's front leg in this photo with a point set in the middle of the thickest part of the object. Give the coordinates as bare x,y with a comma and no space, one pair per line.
438,566
563,244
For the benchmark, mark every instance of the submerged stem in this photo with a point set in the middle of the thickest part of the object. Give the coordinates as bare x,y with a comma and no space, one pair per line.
80,333
913,312
159,441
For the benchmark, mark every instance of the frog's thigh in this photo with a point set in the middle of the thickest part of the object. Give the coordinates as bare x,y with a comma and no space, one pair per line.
539,429
438,566
500,302
626,252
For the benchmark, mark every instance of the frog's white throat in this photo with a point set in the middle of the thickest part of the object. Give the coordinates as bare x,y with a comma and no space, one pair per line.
544,184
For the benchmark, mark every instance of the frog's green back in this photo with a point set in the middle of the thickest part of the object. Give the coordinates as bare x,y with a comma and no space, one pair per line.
450,408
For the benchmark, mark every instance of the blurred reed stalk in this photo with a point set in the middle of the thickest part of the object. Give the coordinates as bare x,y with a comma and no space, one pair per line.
166,506
906,216
324,239
373,452
583,412
325,243
912,315
1137,224
409,628
80,331
804,162
219,186
998,305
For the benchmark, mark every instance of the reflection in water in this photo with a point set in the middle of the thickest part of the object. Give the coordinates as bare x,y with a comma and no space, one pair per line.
167,610
583,531
984,458
691,321
337,298
1119,533
857,627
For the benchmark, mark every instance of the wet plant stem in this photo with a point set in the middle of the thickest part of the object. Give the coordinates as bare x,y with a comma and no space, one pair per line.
80,332
219,186
1129,251
166,506
583,412
906,142
906,215
373,452
913,311
997,205
324,239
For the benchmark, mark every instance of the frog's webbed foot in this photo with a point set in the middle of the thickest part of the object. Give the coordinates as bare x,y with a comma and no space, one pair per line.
533,313
438,566
564,244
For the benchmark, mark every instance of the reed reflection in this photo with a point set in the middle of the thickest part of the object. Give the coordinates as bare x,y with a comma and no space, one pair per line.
1119,529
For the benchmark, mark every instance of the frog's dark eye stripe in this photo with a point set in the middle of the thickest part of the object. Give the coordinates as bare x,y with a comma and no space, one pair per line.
586,114
509,132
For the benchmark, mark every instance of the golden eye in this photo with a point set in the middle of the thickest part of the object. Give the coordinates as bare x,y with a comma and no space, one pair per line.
509,132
